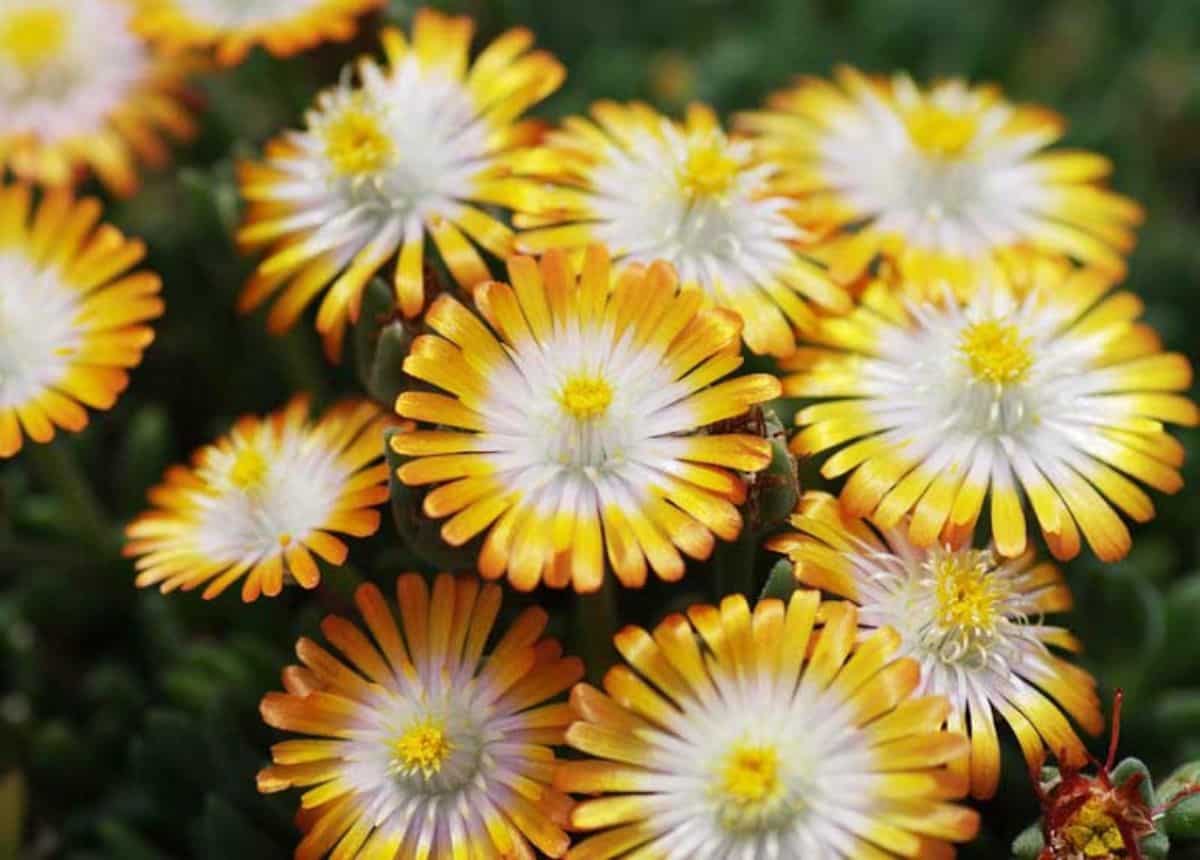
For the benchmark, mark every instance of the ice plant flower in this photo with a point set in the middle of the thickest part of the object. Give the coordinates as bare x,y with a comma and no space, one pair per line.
412,149
419,745
946,181
650,188
79,89
261,501
764,734
574,418
974,622
1055,390
233,27
73,317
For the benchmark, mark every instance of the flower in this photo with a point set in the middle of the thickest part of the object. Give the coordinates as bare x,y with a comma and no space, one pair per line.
283,27
973,621
417,745
652,189
73,317
1059,391
414,148
258,503
79,89
575,412
764,734
947,181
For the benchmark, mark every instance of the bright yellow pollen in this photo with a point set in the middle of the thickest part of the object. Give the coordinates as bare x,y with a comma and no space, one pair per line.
586,396
30,37
750,777
708,171
356,144
249,469
995,352
423,747
968,595
940,132
1094,832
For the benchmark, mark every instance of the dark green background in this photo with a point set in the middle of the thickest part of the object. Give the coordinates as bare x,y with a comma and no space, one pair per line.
132,718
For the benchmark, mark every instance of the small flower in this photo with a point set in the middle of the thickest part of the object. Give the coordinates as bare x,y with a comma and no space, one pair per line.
652,189
410,150
764,734
73,317
416,744
972,621
80,90
1055,390
576,413
947,181
258,503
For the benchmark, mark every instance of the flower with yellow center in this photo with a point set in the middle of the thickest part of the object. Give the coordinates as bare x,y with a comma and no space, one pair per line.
80,90
779,732
421,147
417,744
74,320
652,189
571,427
945,182
259,503
973,621
1052,393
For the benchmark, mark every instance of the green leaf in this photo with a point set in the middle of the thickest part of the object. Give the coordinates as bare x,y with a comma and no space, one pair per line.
1183,777
1029,843
1129,768
1182,819
1156,846
381,341
781,582
775,490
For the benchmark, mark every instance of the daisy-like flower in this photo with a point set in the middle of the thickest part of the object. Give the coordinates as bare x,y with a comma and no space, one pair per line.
652,189
233,27
260,502
575,416
972,620
411,149
73,317
79,89
1056,390
945,181
764,734
419,745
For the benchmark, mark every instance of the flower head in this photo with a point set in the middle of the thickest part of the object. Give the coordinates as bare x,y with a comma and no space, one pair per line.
576,413
259,503
764,734
73,317
417,744
80,90
974,623
653,189
409,150
946,182
1055,390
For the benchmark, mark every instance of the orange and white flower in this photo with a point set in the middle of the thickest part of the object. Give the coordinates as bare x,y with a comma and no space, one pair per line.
1055,391
73,317
576,415
233,27
412,149
975,623
418,744
80,90
260,502
652,189
760,734
946,181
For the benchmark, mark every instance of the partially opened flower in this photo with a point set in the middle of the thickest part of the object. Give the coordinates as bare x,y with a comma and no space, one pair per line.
283,27
413,149
73,317
1055,392
573,421
946,181
652,189
973,621
259,503
764,734
417,743
80,90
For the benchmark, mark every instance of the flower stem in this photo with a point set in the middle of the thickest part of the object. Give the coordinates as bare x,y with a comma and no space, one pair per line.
595,625
61,472
733,566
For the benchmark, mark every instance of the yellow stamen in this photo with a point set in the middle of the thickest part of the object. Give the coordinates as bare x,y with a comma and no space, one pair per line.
708,170
586,396
940,132
249,469
968,595
1094,832
995,352
30,37
356,144
424,747
750,789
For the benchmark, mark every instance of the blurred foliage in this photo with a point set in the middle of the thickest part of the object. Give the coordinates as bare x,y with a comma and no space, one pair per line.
128,720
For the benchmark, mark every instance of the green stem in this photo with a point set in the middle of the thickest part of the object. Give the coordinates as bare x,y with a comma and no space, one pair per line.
61,472
733,566
595,625
302,364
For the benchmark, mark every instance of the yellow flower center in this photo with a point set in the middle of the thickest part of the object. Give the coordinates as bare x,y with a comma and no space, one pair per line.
995,352
423,748
750,790
939,132
30,37
968,606
356,144
1094,833
249,469
708,171
585,396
